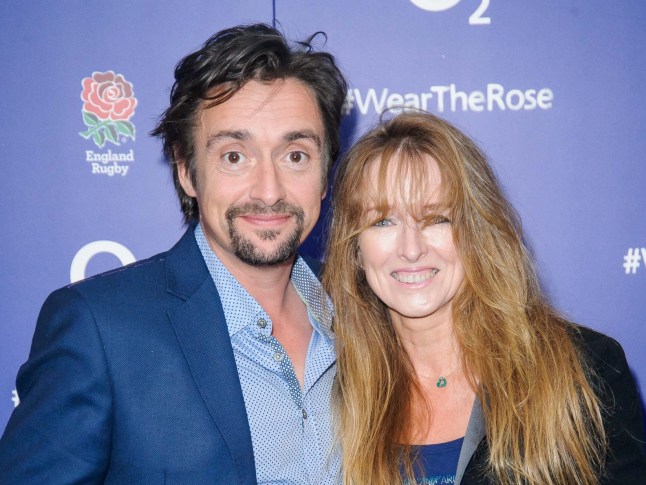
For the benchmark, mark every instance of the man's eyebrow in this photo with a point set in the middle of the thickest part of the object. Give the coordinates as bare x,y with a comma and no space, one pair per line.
240,135
305,134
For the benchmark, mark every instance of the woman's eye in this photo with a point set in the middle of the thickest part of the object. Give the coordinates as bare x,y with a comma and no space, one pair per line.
297,157
383,223
433,219
233,157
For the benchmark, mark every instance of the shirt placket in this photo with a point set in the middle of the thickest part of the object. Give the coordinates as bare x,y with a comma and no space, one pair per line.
281,358
312,454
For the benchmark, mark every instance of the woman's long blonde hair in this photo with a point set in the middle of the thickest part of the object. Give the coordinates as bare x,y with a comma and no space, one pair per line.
543,417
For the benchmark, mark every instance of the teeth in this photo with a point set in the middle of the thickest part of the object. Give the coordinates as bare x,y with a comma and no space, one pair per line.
415,278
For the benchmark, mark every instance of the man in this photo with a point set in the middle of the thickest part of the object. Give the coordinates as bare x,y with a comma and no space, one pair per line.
185,367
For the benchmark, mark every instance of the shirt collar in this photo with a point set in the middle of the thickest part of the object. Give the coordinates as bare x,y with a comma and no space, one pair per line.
244,309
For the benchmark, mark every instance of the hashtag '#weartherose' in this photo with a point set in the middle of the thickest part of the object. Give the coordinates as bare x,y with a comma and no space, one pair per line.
632,260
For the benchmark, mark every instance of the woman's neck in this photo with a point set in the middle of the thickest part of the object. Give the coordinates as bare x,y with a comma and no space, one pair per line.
430,344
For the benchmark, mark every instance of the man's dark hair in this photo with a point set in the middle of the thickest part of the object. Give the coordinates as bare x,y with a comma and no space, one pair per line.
230,59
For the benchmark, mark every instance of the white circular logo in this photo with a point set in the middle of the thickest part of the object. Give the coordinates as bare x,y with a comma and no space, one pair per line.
87,252
435,5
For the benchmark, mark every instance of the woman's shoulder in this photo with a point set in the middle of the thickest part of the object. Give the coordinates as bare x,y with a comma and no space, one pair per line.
602,350
607,364
622,414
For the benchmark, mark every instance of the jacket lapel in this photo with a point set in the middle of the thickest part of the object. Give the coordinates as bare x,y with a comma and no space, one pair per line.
201,330
472,438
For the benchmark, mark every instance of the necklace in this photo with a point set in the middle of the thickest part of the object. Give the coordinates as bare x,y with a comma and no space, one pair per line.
443,381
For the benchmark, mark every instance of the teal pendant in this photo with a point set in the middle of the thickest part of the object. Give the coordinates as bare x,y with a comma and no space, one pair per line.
441,382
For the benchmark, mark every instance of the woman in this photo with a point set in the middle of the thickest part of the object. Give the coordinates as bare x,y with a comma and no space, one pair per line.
452,366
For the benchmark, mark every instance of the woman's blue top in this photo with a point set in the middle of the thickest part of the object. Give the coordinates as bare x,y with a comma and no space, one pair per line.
437,464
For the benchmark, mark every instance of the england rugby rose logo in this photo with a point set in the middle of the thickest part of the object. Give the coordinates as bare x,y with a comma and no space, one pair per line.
108,105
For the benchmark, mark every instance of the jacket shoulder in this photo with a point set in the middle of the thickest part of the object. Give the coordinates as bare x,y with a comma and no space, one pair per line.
601,349
621,406
123,273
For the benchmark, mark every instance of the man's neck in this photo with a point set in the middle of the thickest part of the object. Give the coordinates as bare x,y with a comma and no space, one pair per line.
268,285
271,287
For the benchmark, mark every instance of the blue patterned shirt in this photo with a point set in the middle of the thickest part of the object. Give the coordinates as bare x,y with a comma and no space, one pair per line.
291,428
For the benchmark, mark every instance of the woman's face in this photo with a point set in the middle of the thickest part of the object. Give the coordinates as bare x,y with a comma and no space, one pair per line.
410,261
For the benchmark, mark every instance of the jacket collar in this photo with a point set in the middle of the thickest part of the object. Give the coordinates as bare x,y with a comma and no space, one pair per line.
185,267
472,438
201,330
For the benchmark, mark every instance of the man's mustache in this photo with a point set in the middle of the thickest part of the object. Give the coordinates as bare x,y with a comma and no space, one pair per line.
258,208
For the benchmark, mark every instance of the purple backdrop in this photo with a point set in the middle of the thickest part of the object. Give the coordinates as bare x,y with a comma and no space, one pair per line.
553,92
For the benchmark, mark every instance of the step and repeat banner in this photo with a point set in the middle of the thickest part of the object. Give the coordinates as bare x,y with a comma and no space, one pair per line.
552,90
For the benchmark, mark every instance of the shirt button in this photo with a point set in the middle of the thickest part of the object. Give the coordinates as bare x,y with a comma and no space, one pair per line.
262,323
278,356
304,414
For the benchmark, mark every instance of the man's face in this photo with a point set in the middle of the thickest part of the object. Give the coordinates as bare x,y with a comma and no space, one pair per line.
259,172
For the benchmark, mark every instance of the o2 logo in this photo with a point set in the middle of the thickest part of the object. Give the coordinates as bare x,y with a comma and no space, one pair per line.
87,252
476,18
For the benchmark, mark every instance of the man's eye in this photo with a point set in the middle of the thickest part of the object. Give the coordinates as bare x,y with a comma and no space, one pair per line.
233,157
297,157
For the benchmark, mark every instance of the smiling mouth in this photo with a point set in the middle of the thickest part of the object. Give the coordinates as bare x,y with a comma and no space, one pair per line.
415,278
266,219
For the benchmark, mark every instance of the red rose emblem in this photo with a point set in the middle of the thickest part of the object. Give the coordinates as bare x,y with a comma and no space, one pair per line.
108,105
108,96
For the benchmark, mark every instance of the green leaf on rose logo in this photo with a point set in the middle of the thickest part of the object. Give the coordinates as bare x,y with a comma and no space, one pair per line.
111,134
99,138
125,128
90,119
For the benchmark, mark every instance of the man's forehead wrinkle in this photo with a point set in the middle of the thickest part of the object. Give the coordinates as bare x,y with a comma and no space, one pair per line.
276,86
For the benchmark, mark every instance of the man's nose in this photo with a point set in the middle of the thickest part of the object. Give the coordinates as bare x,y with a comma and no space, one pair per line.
267,185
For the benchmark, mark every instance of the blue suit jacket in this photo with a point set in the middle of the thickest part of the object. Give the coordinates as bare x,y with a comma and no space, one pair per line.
131,379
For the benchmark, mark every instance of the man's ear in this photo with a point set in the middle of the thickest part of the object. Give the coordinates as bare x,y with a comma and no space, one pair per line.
185,178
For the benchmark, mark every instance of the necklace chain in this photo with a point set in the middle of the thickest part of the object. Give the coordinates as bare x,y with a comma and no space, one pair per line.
442,381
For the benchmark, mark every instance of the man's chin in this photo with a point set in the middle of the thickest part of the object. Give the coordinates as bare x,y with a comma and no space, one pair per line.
264,252
264,260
